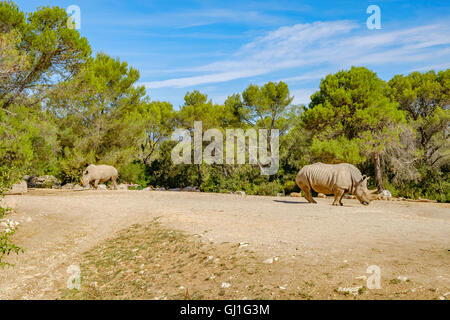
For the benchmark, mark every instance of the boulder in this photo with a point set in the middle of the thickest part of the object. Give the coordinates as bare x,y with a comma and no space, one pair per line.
77,187
386,194
241,193
160,189
190,189
68,186
46,181
102,187
122,186
18,188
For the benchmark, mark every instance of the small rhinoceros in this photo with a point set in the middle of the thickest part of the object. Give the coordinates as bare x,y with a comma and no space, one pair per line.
95,174
337,179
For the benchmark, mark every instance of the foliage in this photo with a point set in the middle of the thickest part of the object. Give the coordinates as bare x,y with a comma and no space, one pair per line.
352,118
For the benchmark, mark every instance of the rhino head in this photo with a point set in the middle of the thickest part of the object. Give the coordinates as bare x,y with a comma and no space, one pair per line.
85,179
363,194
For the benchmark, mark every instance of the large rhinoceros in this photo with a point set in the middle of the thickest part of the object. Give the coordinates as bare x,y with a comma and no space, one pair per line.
95,174
337,179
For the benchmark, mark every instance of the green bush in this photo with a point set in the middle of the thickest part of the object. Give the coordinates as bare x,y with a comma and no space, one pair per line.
134,172
290,186
269,188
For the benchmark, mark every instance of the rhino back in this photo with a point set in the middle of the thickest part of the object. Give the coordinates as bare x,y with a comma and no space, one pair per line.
325,178
102,171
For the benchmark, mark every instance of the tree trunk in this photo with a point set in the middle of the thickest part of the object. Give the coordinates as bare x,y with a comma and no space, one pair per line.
199,169
378,171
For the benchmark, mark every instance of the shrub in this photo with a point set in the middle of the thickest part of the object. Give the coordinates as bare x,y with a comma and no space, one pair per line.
269,188
290,186
134,172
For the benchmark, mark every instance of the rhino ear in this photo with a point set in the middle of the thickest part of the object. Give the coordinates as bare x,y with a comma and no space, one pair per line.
364,177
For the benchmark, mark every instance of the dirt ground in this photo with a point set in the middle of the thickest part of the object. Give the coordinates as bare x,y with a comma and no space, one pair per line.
319,250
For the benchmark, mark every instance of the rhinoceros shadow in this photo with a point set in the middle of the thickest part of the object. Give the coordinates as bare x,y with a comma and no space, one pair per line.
291,202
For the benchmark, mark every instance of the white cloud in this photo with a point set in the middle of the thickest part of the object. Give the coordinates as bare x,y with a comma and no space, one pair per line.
303,96
328,45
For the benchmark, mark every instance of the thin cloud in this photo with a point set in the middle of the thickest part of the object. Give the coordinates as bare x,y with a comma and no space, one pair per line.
335,44
303,96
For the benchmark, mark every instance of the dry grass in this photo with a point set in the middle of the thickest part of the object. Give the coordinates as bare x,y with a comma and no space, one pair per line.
152,262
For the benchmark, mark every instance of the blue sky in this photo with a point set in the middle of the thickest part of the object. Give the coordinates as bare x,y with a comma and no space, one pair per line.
220,47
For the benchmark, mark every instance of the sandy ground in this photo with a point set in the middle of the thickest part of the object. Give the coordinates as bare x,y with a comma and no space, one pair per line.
404,239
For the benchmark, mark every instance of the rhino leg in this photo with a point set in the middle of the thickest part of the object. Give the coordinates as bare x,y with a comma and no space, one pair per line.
96,184
342,197
338,195
114,183
308,194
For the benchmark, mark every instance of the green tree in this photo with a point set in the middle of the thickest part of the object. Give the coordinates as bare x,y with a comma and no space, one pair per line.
267,106
351,119
158,119
98,113
426,99
49,51
197,107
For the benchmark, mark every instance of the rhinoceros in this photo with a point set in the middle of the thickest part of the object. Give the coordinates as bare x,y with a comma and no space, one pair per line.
337,179
95,174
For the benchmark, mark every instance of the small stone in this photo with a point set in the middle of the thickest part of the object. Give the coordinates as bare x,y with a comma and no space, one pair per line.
225,285
243,244
352,290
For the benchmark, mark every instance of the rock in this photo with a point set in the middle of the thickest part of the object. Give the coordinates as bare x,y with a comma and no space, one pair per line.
243,244
296,194
77,187
280,194
386,194
18,188
402,278
122,186
68,186
225,285
241,193
321,195
352,290
102,187
268,261
46,181
175,189
160,189
147,189
190,189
